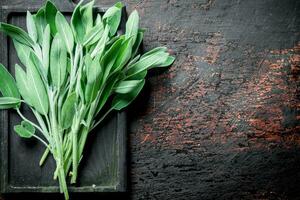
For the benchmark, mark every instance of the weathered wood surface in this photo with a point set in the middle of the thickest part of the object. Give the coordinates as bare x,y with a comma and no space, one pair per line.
223,121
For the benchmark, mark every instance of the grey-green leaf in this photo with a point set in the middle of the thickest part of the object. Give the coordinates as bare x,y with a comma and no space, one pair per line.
46,48
31,28
65,31
132,26
23,51
9,102
50,14
137,43
153,60
112,18
21,80
87,15
24,130
124,55
8,85
28,126
126,86
40,23
16,33
94,75
120,101
77,24
68,111
39,97
58,61
101,43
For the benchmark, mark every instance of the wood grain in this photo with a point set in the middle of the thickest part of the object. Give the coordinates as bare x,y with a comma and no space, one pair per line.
223,121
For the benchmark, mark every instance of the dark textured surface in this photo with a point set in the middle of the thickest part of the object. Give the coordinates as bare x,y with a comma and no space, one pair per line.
223,121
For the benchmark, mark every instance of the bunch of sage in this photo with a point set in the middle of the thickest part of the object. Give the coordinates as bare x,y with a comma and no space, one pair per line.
72,75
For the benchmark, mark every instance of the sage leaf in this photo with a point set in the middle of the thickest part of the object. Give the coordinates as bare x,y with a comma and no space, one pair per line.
16,33
8,85
77,24
167,62
153,51
65,31
23,51
124,55
28,126
9,102
40,23
94,75
58,61
147,62
137,43
25,130
22,84
101,44
112,18
46,48
93,35
68,111
31,28
108,90
38,93
132,26
50,14
109,58
126,86
120,101
87,15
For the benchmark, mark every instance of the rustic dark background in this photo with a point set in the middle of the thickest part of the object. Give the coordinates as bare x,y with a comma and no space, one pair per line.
224,121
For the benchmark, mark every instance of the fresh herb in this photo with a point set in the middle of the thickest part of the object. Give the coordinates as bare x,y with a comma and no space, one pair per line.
73,75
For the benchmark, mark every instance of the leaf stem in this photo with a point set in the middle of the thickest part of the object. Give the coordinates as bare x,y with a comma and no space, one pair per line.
27,120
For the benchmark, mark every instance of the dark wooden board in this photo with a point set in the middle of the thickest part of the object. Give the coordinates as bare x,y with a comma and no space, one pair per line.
216,125
103,167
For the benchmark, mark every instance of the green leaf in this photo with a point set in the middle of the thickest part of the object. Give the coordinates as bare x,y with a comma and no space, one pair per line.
24,130
46,48
58,61
77,24
120,101
94,75
93,35
109,58
50,14
132,26
28,126
137,43
124,55
93,68
8,85
40,23
168,62
108,90
87,15
39,65
9,102
38,94
68,111
101,44
22,84
112,18
31,28
23,51
127,86
155,50
147,62
65,31
16,33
